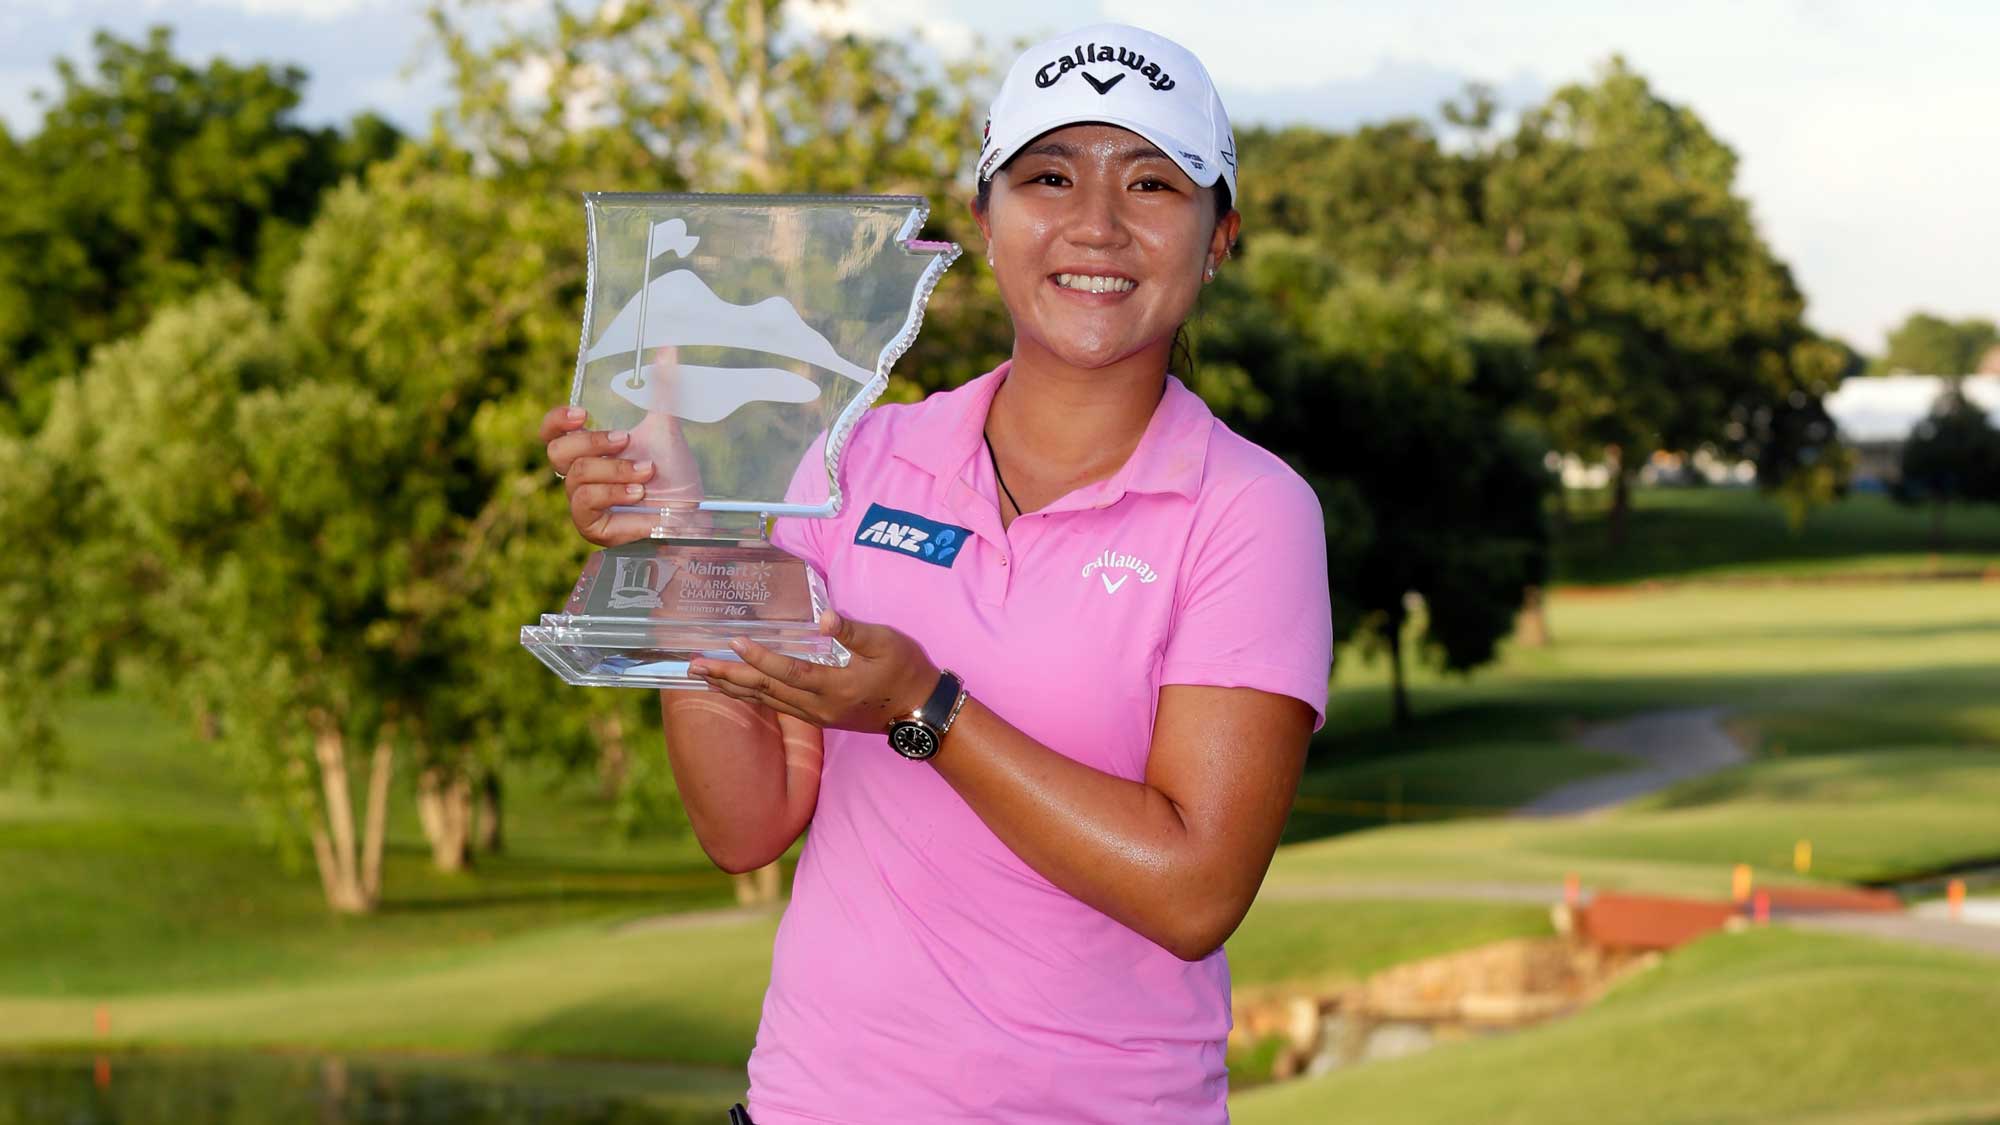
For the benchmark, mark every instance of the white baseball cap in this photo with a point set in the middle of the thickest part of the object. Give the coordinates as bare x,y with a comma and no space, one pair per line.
1118,75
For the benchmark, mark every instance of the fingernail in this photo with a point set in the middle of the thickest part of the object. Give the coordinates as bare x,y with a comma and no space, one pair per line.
634,490
574,414
698,670
642,467
618,436
739,644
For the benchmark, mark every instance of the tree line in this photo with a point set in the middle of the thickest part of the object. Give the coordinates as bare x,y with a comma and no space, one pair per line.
269,391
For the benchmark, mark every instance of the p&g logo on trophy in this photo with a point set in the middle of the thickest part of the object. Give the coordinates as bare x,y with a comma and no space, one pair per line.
729,334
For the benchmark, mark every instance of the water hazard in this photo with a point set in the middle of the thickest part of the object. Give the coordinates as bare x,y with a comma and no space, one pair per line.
250,1089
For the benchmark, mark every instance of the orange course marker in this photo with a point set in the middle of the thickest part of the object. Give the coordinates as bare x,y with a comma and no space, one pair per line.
1739,883
1572,888
1955,894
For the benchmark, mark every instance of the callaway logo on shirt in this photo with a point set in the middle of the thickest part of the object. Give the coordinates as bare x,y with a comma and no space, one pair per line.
892,530
1108,561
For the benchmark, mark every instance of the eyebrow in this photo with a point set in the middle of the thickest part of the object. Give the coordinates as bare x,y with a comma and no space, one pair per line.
1069,152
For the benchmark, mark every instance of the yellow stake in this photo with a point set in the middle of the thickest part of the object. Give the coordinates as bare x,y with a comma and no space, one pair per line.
1802,856
1739,883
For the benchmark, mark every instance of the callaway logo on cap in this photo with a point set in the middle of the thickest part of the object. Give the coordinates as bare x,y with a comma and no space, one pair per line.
1121,76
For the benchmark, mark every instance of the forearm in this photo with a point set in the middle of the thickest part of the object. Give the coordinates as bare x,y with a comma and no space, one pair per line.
748,780
1124,847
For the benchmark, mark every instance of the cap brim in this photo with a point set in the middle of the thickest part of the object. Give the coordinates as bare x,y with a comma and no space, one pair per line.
1172,147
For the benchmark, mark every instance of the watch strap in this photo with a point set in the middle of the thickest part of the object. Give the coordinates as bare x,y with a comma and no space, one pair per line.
951,716
939,710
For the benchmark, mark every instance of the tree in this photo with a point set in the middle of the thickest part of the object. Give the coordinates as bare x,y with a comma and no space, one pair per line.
222,479
327,526
1372,391
1609,223
50,594
402,289
727,95
149,179
1925,344
1953,456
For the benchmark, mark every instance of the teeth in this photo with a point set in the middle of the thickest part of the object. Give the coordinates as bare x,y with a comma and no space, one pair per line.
1090,283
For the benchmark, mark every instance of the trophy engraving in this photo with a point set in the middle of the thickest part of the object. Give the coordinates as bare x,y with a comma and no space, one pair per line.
640,582
729,335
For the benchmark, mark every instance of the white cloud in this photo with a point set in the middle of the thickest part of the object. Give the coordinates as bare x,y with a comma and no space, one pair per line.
884,18
307,9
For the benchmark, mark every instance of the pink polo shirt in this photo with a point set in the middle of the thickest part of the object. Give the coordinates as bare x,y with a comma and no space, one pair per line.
923,973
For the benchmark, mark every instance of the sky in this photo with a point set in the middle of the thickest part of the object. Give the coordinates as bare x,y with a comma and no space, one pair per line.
1869,133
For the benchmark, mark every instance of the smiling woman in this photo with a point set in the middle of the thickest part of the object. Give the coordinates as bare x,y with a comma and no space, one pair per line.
1159,206
1013,911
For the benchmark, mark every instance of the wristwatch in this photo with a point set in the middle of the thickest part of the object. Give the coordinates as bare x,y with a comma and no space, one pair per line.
917,735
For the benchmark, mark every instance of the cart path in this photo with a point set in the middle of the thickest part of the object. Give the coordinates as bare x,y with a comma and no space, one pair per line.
1667,746
1920,927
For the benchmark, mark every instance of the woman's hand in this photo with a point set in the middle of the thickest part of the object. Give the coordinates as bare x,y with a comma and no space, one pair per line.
596,477
599,469
889,677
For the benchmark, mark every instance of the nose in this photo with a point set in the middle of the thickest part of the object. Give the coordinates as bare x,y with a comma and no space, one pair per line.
1096,222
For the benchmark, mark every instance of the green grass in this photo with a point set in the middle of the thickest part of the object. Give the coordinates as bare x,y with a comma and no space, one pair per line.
1294,942
1873,816
1805,670
1700,534
142,871
141,882
688,993
1763,1026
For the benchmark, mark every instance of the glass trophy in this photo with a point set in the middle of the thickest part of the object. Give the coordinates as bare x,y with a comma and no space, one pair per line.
732,336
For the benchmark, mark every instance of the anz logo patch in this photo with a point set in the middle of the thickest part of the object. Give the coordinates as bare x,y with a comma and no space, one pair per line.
911,534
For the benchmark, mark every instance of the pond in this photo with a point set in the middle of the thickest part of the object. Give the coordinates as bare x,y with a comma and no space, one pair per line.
317,1089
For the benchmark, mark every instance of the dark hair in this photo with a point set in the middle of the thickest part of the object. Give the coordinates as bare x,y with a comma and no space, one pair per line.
1181,357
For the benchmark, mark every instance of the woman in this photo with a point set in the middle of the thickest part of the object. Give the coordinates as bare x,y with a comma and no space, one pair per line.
1026,924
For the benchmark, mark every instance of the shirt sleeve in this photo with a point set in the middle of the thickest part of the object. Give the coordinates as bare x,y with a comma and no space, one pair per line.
1254,608
797,535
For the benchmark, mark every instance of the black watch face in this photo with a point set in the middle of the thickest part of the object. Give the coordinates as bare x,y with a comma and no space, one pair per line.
913,740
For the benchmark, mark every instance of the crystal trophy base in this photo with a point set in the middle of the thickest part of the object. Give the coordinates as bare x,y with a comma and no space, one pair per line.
642,611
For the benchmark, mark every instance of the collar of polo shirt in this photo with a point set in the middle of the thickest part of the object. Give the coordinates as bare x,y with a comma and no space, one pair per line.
1169,458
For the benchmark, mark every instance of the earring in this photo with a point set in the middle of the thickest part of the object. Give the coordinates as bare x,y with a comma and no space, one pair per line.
1209,274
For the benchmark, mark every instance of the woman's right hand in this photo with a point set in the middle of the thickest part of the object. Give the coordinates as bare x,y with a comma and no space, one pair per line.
597,476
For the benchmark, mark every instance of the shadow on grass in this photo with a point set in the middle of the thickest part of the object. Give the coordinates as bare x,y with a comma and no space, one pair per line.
1882,772
1468,752
1833,630
711,1041
1674,533
714,895
248,1086
584,863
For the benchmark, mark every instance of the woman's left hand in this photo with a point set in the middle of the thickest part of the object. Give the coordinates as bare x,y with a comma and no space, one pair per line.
888,677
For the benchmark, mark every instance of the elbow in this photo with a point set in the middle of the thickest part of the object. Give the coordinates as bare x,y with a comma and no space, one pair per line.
1196,949
735,863
738,857
1195,934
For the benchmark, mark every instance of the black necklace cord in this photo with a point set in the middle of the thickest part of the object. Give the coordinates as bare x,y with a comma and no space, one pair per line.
993,457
